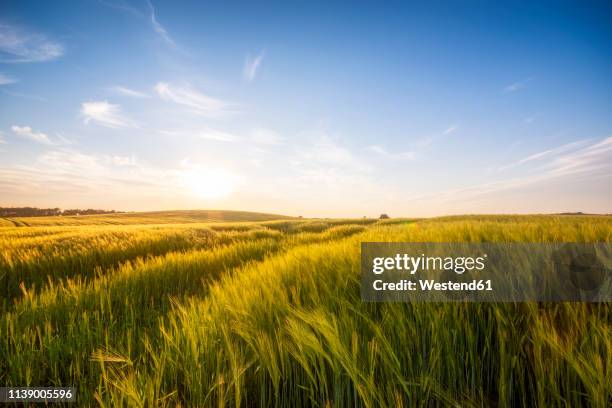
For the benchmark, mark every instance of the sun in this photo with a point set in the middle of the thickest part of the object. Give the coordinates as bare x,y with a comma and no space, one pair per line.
209,184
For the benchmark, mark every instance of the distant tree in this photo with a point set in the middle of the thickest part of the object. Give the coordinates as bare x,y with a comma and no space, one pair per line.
384,217
28,212
45,212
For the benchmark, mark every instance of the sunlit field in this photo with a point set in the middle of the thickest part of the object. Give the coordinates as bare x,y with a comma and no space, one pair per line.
157,217
243,309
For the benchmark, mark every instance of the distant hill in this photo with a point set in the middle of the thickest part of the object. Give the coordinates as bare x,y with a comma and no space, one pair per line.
579,213
154,217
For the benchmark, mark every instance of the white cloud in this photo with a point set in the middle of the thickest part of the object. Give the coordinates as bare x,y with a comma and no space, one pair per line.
257,136
517,86
392,156
159,29
71,160
450,129
21,45
6,80
204,133
129,92
199,103
251,65
28,133
121,160
214,134
105,114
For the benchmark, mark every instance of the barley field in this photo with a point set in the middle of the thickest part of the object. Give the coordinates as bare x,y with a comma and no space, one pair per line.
199,309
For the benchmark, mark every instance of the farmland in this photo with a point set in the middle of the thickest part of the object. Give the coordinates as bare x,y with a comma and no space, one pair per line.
135,218
242,309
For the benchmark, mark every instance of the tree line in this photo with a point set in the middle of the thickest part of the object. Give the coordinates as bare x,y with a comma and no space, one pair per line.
45,212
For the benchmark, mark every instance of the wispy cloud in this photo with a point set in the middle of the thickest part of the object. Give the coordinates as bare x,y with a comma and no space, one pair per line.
325,165
67,159
218,135
78,177
197,102
159,29
18,44
204,133
62,140
104,114
327,156
70,172
595,157
123,6
257,136
28,133
429,140
381,151
121,160
547,153
150,15
567,162
129,92
24,95
251,65
517,86
6,80
325,150
450,129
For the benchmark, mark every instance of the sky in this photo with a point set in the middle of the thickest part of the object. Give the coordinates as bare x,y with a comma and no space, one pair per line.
318,109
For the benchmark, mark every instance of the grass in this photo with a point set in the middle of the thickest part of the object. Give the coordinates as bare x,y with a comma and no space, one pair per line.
268,313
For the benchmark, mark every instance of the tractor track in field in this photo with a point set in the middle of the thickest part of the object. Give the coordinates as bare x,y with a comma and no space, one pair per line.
15,222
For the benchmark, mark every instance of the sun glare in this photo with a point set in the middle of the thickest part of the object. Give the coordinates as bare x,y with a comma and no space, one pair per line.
209,184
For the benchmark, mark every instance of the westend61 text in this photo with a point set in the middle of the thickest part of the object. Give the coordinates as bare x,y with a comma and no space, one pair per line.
430,284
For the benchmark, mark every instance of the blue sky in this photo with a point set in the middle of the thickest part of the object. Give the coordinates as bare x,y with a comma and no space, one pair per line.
319,109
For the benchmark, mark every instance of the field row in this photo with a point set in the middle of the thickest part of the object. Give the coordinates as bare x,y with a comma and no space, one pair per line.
30,258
